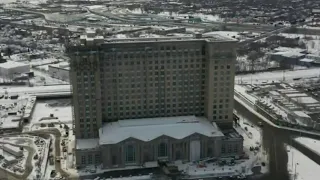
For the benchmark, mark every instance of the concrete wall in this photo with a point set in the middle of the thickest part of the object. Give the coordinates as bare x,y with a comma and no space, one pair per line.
148,151
95,154
59,73
10,72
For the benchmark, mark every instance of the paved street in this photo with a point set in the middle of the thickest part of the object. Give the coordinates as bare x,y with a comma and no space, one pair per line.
273,140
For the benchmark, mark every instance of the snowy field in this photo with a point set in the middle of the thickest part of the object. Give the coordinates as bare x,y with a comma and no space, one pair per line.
60,109
28,1
305,168
312,144
312,41
288,75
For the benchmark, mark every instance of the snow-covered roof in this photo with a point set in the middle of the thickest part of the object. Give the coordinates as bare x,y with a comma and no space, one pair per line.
12,64
301,114
11,148
148,129
287,49
291,54
61,65
297,95
305,100
306,60
87,143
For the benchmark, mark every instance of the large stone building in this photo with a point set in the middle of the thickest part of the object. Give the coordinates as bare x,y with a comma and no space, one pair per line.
157,81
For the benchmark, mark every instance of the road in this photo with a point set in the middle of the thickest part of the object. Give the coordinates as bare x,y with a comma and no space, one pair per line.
56,133
273,140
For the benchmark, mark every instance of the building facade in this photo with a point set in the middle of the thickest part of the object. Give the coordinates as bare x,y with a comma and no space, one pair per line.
120,79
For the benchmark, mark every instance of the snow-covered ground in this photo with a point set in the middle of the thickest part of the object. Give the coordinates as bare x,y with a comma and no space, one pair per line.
288,75
60,109
42,78
312,144
301,166
252,138
33,2
312,41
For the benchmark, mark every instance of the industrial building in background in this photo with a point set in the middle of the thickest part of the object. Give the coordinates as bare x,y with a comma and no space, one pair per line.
141,100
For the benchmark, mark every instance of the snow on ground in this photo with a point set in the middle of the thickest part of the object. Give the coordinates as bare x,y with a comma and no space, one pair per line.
305,168
60,109
258,78
268,101
42,78
243,91
312,41
230,34
34,2
204,17
252,137
312,144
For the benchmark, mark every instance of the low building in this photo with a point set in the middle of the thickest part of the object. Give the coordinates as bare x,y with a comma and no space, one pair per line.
14,110
7,158
14,150
286,59
306,62
10,69
171,30
315,59
140,141
301,118
60,71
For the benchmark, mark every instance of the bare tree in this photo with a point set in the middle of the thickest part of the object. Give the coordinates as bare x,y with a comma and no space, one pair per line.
252,57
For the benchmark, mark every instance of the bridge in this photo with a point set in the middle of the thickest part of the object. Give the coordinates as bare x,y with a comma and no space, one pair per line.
42,92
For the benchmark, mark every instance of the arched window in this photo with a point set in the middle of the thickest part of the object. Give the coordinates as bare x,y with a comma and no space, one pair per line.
162,150
130,154
178,155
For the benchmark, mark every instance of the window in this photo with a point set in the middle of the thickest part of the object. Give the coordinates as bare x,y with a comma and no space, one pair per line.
130,154
223,149
114,160
178,155
229,148
209,152
83,159
89,159
235,149
162,150
97,158
146,157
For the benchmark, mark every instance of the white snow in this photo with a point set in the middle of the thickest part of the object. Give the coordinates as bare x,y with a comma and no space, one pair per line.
144,177
12,64
243,91
258,78
61,111
312,144
301,114
301,166
230,34
305,100
36,89
148,129
35,2
251,109
297,95
87,143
